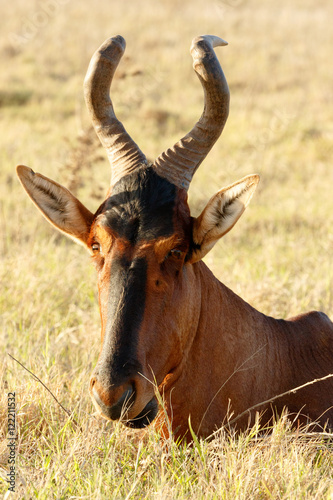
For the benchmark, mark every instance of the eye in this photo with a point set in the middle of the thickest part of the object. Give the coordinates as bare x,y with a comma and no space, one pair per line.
95,247
175,253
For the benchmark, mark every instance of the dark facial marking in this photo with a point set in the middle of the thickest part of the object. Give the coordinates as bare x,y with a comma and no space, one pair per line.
141,206
193,245
126,303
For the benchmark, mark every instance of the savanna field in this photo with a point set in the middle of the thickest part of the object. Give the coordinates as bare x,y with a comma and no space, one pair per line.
278,257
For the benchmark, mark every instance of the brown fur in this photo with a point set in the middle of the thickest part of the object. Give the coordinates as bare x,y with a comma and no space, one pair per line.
211,354
236,357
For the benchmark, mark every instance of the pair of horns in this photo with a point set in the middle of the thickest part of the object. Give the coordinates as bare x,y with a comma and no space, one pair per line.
179,163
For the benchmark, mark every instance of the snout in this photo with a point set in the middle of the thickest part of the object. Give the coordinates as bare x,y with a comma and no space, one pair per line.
122,403
121,406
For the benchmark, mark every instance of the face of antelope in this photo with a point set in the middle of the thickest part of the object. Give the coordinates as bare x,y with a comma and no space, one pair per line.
142,239
139,242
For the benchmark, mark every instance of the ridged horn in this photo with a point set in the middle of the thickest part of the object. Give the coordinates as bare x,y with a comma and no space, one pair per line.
179,163
123,153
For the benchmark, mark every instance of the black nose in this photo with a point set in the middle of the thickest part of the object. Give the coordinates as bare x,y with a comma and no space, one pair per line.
118,409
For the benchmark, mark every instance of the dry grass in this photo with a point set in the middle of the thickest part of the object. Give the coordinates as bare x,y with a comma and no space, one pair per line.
278,257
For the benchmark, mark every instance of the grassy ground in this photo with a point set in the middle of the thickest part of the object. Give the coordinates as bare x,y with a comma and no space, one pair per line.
278,258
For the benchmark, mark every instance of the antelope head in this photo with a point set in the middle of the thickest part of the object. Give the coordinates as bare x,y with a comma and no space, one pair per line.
143,241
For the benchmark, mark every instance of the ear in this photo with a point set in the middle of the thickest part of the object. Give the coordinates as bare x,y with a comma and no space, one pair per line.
57,204
221,214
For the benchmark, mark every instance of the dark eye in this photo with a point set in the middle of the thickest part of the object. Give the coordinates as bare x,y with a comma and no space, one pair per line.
95,247
175,253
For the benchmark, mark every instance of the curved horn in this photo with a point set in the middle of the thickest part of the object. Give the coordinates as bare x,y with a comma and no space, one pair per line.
124,155
179,163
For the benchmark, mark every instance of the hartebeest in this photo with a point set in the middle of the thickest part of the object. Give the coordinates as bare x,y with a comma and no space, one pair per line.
166,320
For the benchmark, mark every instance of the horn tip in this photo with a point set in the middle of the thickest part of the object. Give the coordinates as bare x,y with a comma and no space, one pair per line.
111,43
212,40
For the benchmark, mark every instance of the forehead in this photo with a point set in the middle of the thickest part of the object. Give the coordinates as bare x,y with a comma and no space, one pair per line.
141,207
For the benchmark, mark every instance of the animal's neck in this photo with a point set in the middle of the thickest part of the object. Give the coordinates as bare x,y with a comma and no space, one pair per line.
234,320
237,357
226,355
